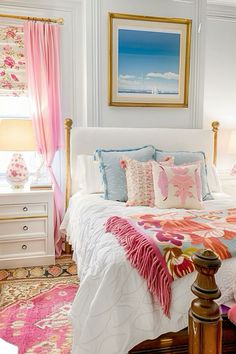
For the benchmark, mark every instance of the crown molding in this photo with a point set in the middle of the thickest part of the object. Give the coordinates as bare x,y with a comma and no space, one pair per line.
43,4
185,1
221,12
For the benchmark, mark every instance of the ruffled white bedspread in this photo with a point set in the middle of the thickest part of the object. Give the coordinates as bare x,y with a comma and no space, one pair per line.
113,309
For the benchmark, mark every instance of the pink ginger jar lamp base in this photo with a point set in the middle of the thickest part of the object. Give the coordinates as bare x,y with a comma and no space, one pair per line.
17,172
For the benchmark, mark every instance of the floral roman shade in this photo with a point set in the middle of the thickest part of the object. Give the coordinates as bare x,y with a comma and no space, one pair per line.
12,61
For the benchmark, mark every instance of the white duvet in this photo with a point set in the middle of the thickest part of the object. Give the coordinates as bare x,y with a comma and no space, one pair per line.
113,310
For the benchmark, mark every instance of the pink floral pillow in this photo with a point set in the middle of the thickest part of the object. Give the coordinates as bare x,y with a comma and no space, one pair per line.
139,180
177,186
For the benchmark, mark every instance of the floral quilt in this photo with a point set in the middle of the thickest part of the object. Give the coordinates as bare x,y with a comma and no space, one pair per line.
160,245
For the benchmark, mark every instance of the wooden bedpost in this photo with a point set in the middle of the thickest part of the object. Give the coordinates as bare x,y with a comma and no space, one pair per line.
205,325
215,126
68,125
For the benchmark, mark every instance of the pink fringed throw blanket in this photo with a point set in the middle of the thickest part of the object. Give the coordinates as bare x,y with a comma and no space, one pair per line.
160,246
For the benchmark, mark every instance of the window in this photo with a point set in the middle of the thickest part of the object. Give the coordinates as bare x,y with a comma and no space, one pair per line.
13,107
14,101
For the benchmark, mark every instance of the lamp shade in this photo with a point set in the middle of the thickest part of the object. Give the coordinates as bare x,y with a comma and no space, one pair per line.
16,135
232,143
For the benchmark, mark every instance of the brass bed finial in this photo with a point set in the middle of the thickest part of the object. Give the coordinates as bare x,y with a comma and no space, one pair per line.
215,126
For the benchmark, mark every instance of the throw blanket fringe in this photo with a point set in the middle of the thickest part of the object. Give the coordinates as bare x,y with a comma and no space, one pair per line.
145,257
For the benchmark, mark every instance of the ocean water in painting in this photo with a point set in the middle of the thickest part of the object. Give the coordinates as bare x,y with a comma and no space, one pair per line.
148,62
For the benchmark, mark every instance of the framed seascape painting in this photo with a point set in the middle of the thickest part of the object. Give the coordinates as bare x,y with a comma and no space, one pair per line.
149,59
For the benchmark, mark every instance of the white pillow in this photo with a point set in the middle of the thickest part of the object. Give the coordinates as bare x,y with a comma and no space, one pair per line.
213,179
87,177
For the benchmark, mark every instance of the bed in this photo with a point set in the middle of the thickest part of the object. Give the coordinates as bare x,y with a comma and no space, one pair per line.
113,311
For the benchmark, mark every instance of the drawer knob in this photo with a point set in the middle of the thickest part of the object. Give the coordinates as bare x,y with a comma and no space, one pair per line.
25,228
24,247
25,208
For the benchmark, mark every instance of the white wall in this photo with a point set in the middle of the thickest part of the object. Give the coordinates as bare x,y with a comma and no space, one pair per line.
98,111
220,75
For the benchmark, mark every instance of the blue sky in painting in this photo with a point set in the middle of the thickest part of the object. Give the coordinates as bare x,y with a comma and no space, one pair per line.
148,60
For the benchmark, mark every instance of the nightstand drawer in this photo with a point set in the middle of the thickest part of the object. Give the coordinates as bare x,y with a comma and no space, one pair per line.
23,227
22,248
23,210
26,228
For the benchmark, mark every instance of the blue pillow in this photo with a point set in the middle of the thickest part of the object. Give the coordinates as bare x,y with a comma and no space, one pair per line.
113,175
182,157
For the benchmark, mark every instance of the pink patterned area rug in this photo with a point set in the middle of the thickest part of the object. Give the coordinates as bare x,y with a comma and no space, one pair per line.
34,314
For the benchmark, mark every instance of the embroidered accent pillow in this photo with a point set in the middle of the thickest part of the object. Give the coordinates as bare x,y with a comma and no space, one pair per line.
177,186
139,180
189,157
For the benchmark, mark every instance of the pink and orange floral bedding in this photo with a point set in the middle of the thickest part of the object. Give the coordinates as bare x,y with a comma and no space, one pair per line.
160,245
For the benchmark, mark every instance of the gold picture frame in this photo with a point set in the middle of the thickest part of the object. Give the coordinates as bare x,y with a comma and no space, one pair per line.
149,61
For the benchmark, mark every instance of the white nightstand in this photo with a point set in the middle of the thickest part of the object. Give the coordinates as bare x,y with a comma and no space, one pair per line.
228,182
26,228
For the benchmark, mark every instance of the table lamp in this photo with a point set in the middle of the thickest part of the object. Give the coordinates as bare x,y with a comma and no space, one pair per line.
17,135
232,149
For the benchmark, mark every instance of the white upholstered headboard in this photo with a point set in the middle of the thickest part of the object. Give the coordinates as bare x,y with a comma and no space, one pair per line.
87,140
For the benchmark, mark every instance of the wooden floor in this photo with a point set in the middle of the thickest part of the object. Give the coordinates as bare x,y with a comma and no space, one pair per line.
176,343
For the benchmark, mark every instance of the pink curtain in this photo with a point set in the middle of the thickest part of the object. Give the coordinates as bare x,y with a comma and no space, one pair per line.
42,52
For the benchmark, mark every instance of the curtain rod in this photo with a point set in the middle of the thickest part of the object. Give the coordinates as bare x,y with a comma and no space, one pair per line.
60,21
